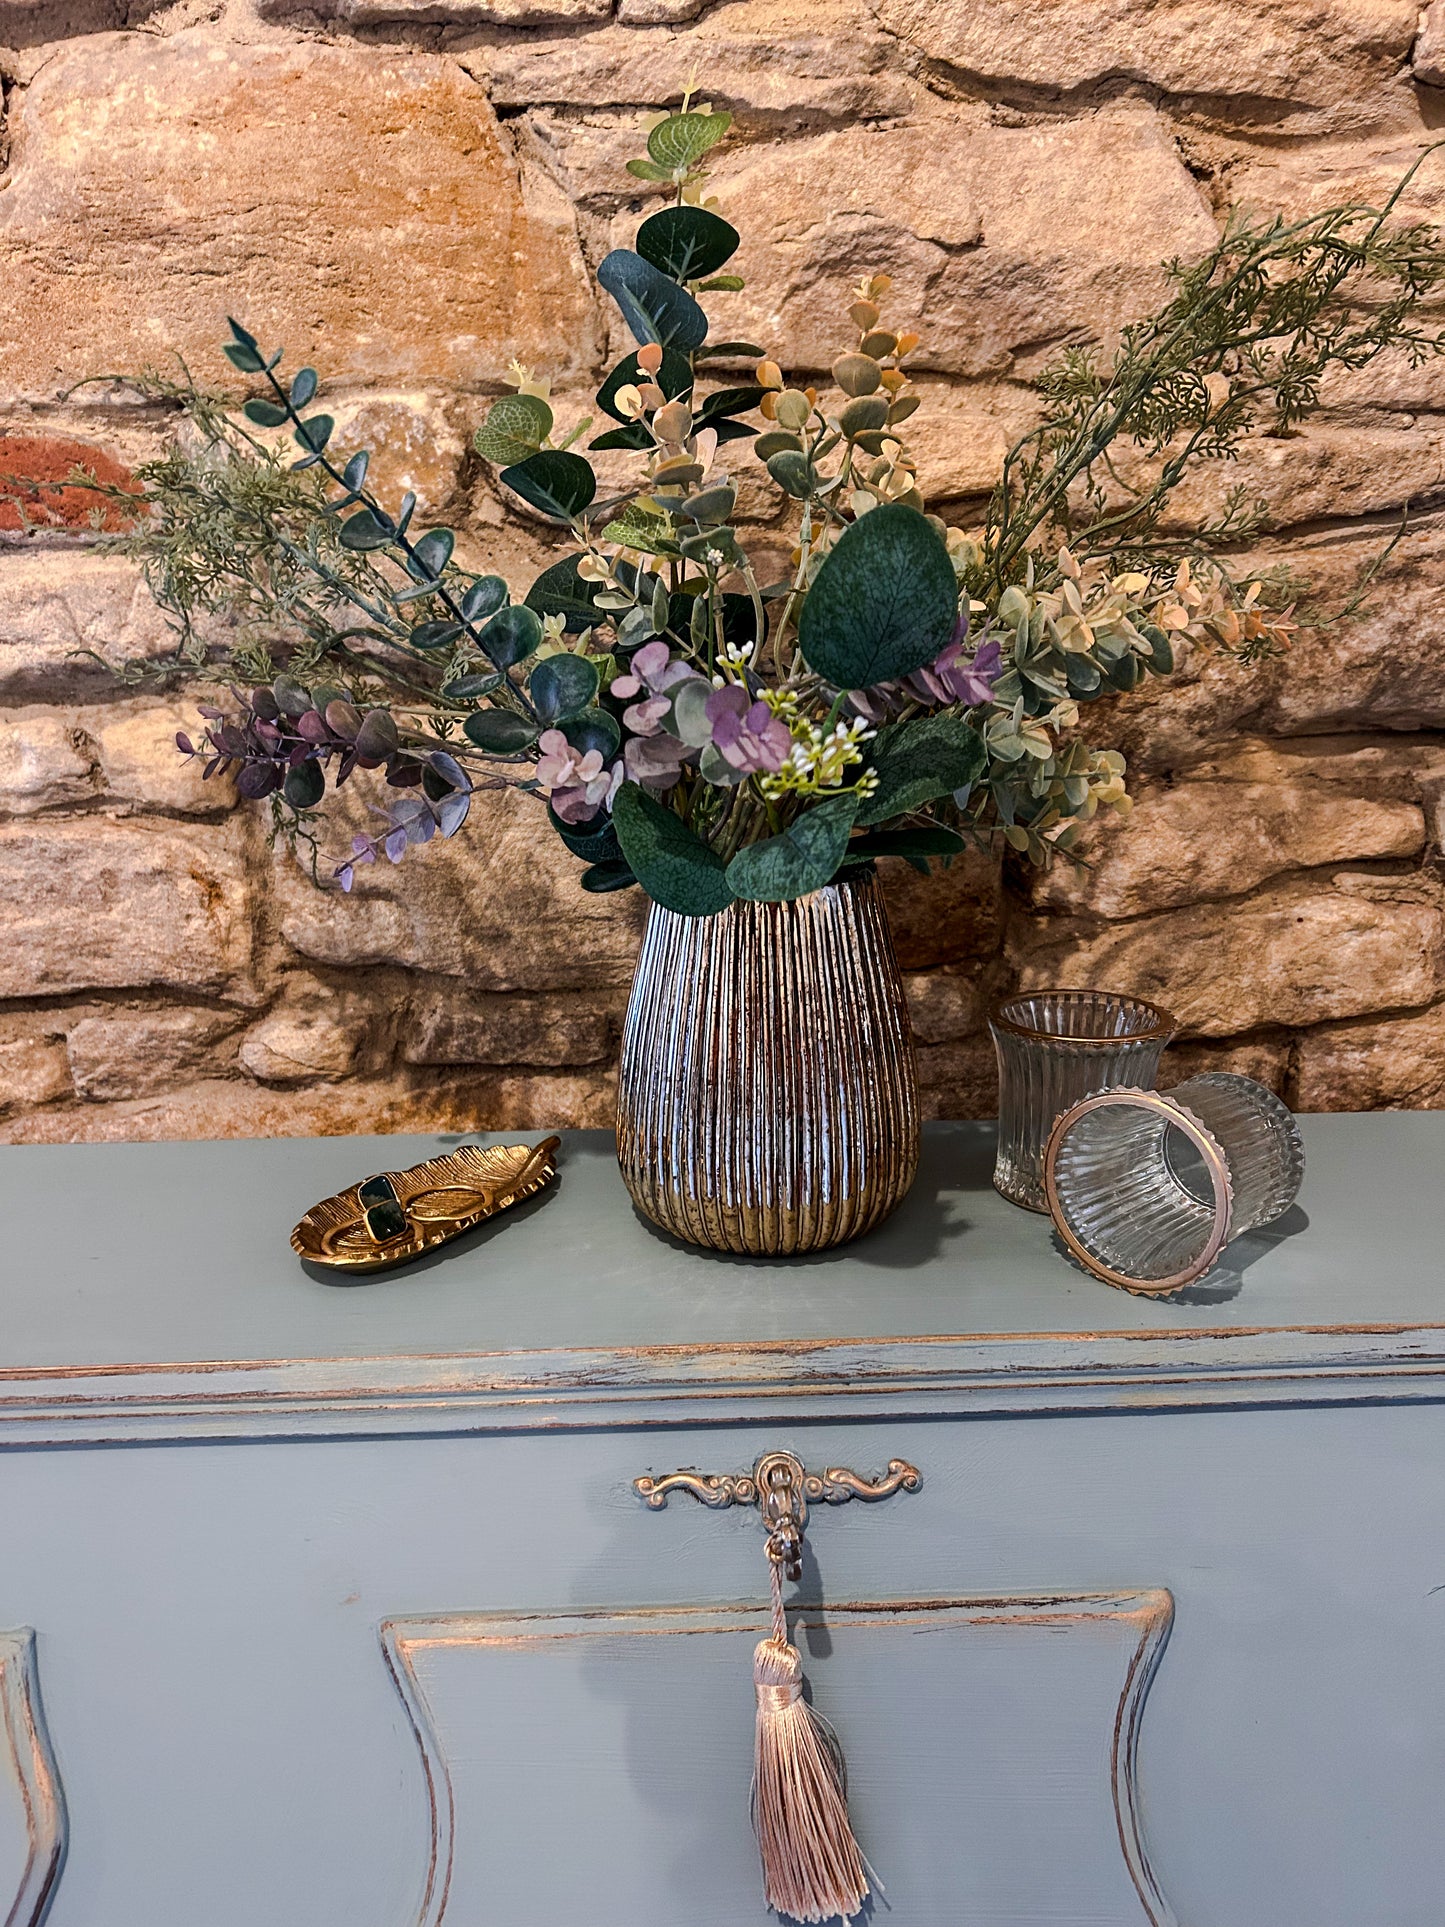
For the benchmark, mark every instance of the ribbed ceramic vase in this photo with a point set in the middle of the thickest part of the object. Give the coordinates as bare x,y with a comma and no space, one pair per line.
768,1098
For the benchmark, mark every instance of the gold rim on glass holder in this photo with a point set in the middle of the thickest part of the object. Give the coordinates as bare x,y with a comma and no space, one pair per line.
1172,1116
1161,1027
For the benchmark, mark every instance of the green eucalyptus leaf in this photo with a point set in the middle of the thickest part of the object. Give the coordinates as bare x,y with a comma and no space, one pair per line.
431,554
792,471
365,530
485,596
687,242
435,635
314,434
265,414
675,867
1082,675
468,688
681,140
773,441
721,284
595,841
303,387
674,378
560,485
802,859
561,687
918,761
594,729
501,732
884,602
689,719
561,591
305,785
511,635
649,171
608,876
653,305
1161,650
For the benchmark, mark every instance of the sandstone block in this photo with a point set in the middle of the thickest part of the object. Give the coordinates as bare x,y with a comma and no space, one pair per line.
299,1047
1428,54
944,1005
361,207
141,764
1285,54
958,1079
447,1028
33,1069
1201,841
952,918
994,252
499,905
59,612
1298,953
127,1054
1395,1063
761,62
1266,1059
44,762
99,904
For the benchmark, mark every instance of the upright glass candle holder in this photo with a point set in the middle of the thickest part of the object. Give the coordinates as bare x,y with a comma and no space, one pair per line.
1054,1047
1147,1187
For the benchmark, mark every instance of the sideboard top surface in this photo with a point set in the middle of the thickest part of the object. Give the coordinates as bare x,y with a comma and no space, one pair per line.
151,1254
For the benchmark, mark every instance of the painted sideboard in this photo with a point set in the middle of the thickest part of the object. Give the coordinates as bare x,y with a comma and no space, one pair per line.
333,1605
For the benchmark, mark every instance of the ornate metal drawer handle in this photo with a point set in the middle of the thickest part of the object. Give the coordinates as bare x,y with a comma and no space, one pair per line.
781,1486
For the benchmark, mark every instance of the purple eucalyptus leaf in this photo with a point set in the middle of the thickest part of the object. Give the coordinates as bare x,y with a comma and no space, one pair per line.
452,812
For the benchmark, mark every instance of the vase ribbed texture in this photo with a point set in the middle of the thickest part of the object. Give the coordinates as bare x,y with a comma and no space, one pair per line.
768,1099
1054,1047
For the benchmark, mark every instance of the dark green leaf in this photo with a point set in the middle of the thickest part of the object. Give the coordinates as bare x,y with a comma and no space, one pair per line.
562,687
354,474
801,860
435,635
303,387
485,596
792,470
594,729
511,635
634,435
304,786
654,307
315,434
724,402
733,351
1161,650
884,601
561,591
674,378
249,360
431,554
674,867
907,843
728,431
1126,673
560,485
1082,675
594,841
467,688
918,761
377,738
266,414
687,242
365,530
501,732
608,876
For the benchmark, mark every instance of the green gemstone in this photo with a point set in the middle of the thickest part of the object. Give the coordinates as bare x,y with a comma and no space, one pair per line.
377,1191
386,1221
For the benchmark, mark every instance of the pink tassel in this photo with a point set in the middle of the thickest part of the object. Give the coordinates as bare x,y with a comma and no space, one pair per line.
812,1867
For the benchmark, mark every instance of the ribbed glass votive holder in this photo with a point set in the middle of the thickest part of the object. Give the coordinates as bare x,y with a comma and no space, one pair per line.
1054,1047
1147,1187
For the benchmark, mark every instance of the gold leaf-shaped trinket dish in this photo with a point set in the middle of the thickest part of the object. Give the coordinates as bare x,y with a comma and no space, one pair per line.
397,1215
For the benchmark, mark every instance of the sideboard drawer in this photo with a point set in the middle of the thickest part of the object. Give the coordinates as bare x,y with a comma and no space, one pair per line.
393,1682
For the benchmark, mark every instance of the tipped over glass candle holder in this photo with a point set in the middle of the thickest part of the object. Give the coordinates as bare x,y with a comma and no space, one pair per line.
1146,1188
1054,1047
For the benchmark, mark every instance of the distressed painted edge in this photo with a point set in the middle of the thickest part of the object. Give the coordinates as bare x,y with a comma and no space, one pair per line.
46,1822
1152,1609
1007,1374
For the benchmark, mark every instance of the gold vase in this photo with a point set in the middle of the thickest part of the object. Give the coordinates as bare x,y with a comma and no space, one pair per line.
768,1098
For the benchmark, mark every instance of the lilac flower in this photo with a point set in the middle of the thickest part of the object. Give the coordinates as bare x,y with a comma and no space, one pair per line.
747,735
655,760
949,679
578,783
653,668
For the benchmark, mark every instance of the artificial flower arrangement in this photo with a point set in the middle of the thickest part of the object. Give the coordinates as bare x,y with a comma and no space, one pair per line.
905,687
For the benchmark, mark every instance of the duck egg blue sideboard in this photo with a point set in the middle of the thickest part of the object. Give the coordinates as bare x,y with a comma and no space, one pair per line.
333,1605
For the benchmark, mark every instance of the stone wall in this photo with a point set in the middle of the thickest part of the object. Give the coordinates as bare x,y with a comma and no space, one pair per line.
409,193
